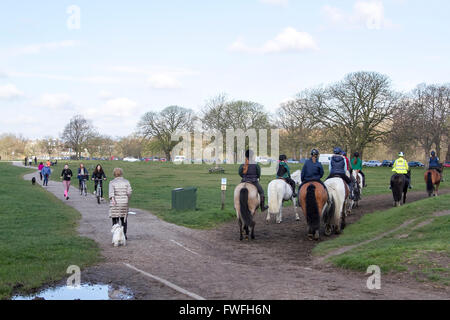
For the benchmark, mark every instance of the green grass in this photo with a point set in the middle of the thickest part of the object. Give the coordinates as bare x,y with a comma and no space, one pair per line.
153,182
423,253
38,237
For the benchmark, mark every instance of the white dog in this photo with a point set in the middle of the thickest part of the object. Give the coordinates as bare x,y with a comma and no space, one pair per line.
118,236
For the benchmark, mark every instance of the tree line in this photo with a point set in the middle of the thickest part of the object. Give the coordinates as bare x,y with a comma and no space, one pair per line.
356,113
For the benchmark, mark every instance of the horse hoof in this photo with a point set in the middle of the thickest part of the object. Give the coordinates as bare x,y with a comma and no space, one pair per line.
297,219
328,230
316,235
310,237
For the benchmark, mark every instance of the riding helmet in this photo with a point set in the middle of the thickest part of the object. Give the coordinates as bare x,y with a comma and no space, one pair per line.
337,150
314,152
356,154
248,153
433,153
401,154
282,157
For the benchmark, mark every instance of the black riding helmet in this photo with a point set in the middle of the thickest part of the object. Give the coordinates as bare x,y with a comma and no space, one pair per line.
314,152
356,154
282,157
433,153
248,153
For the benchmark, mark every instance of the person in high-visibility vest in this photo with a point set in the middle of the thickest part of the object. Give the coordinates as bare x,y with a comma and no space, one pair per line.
400,166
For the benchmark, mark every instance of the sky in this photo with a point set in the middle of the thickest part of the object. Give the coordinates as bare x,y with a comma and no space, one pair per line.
113,61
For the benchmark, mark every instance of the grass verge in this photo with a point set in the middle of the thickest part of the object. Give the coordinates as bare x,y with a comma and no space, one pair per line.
38,237
422,251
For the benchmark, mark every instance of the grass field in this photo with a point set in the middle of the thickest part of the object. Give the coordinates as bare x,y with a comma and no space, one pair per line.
38,237
425,252
153,182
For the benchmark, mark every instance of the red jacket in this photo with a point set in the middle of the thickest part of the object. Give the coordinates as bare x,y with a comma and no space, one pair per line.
348,163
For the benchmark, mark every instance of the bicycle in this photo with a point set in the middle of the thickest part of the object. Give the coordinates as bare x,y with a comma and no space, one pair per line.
98,192
83,187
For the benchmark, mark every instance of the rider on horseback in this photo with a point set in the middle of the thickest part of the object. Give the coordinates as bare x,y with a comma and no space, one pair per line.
250,172
400,166
357,166
434,163
312,169
338,168
283,172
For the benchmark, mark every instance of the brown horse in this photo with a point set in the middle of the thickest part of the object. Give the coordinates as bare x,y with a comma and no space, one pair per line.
246,201
313,198
433,180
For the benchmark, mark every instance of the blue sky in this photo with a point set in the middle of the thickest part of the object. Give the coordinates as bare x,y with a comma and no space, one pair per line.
136,56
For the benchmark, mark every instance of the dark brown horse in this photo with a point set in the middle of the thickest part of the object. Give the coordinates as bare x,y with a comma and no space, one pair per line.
399,186
433,180
313,199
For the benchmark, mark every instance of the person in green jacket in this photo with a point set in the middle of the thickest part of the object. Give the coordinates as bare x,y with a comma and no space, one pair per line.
283,172
356,164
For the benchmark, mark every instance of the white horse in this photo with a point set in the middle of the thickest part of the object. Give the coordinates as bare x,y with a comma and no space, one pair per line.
357,189
338,193
279,191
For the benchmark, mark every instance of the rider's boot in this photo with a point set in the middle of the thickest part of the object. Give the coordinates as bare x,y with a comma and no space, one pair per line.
294,194
262,205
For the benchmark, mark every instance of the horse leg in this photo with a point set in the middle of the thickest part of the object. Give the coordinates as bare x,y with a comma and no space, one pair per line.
241,237
280,213
268,217
252,235
297,217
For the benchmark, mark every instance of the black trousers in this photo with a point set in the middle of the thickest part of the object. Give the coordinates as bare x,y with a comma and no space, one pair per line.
291,183
340,175
258,186
123,222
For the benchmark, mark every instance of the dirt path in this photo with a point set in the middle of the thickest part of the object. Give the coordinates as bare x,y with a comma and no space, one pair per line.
214,264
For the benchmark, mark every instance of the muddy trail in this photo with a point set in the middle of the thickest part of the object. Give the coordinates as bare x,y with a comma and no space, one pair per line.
166,261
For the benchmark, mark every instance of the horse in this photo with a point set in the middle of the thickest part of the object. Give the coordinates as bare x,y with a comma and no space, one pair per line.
279,191
357,190
313,198
399,186
338,192
432,179
246,201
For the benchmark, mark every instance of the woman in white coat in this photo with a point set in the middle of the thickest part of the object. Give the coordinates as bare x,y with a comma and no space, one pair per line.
119,196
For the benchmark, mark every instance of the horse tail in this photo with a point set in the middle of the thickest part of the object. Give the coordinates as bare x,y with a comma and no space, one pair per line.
397,186
245,212
429,182
312,209
274,206
329,213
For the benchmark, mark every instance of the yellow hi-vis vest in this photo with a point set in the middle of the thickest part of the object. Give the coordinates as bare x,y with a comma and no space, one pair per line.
400,166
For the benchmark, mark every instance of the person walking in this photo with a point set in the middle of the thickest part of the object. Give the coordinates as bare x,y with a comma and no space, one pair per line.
66,176
26,161
46,172
119,197
35,160
30,161
40,167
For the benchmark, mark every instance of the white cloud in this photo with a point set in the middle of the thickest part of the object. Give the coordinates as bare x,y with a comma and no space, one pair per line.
10,91
289,40
104,94
276,2
55,101
39,47
116,108
90,79
370,14
164,81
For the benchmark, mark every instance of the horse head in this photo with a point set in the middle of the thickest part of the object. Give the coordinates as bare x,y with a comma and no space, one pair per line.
297,177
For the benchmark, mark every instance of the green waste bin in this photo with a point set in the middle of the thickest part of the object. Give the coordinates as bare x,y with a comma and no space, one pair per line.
184,198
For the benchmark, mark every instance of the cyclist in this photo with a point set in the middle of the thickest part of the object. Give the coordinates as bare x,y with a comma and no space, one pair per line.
83,175
98,176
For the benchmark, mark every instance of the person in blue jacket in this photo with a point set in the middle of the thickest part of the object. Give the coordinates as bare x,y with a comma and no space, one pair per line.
312,169
338,168
46,172
433,163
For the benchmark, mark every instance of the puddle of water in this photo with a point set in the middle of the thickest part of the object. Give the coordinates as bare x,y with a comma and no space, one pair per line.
84,292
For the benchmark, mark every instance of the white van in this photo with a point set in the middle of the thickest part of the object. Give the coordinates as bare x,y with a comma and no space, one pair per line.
325,158
179,159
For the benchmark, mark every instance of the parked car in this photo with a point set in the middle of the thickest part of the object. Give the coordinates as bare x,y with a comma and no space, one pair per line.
372,163
130,159
387,163
446,164
292,161
262,160
163,160
415,164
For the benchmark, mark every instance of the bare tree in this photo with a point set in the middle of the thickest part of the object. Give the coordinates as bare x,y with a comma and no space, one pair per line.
354,111
76,134
49,145
162,125
131,146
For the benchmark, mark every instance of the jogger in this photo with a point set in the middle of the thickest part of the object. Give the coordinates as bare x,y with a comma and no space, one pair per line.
66,176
